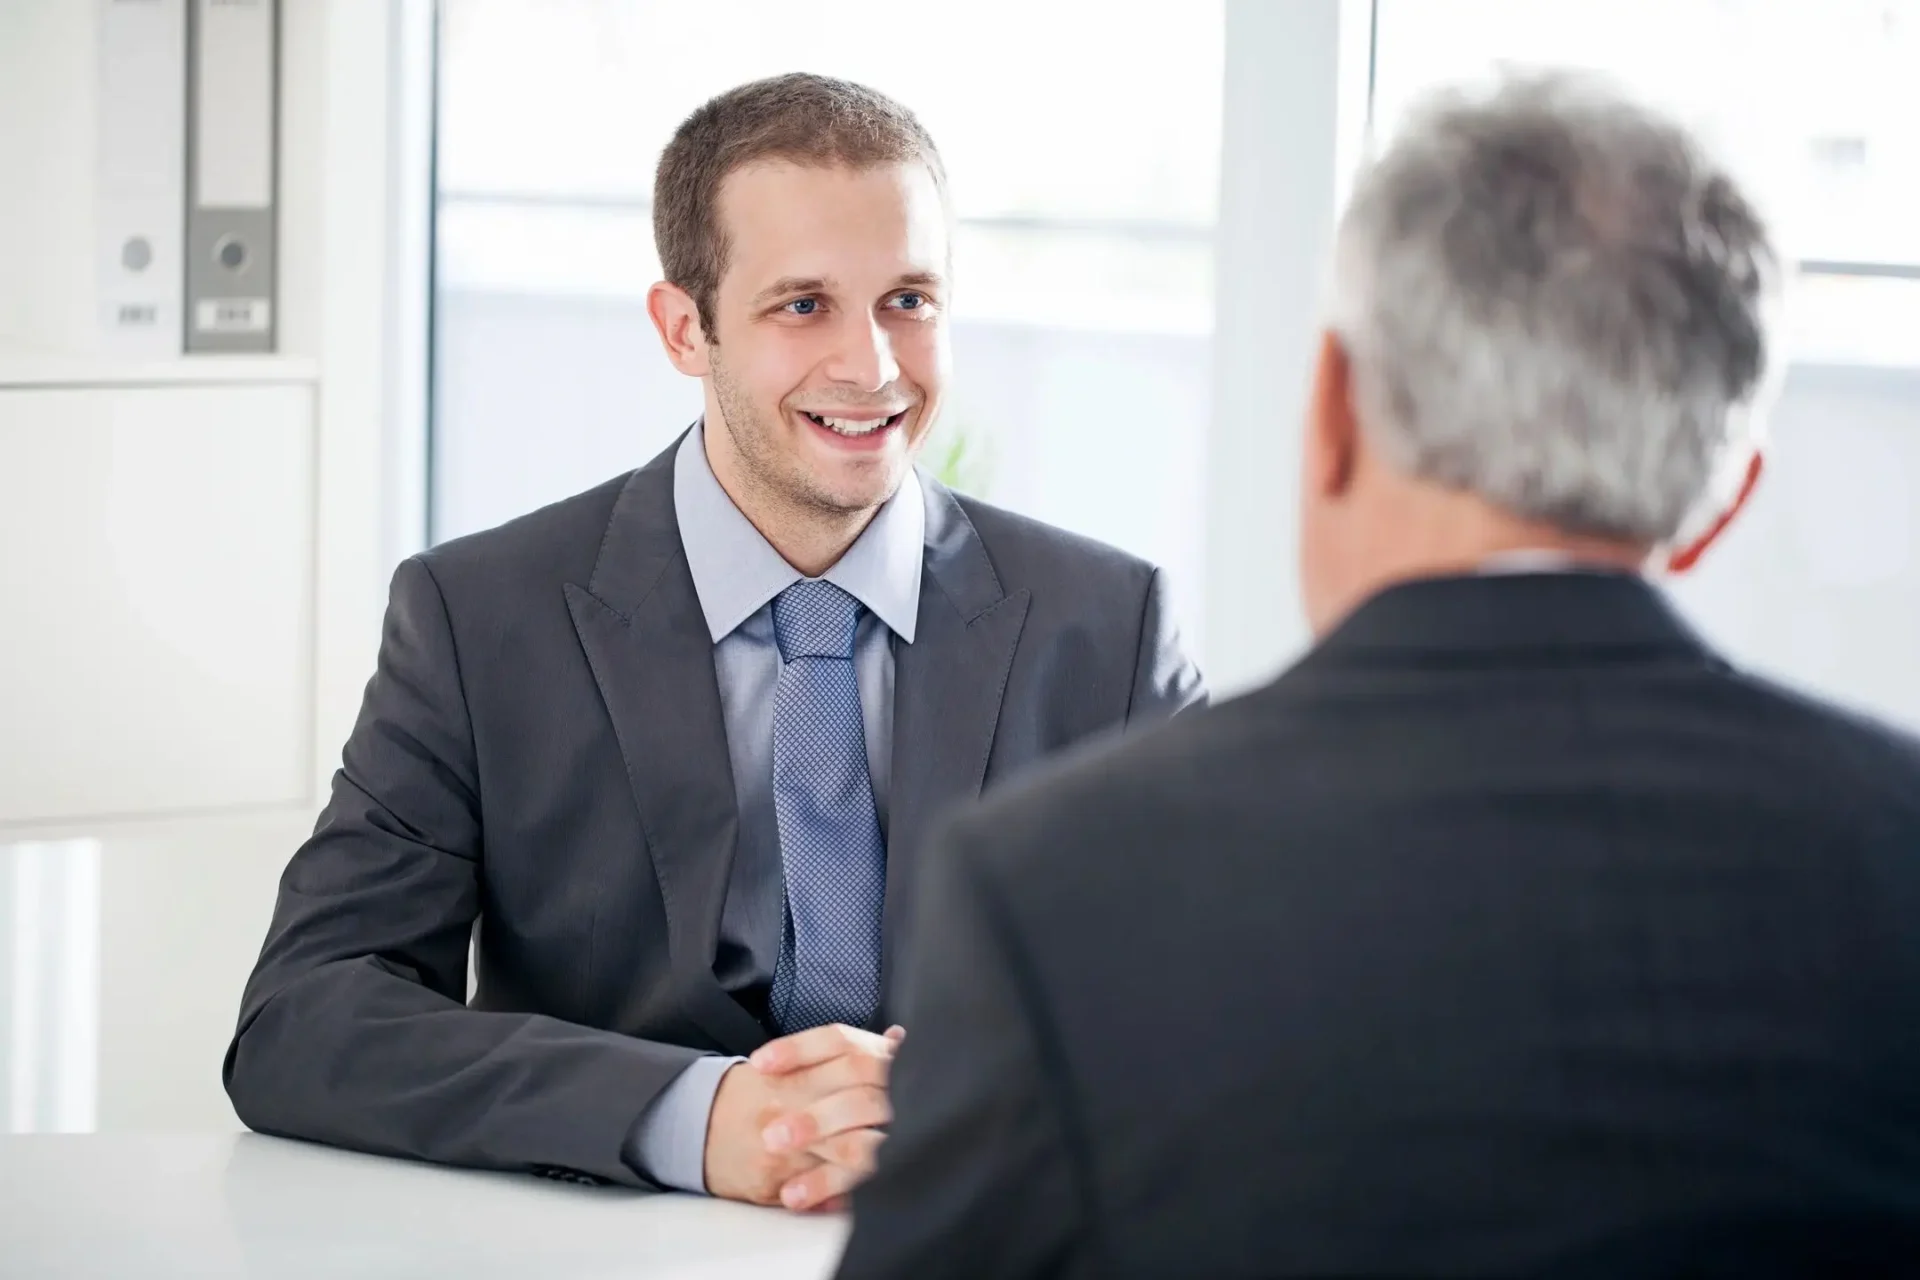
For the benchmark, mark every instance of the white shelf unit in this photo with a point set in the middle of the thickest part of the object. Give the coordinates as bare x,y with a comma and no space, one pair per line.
313,456
24,370
158,599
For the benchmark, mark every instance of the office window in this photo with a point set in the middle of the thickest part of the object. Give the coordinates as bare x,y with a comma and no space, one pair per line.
1082,144
1815,105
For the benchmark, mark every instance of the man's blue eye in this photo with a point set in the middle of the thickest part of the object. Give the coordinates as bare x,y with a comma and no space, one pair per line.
804,306
911,301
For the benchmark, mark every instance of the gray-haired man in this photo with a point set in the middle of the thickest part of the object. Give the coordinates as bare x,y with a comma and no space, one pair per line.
1512,931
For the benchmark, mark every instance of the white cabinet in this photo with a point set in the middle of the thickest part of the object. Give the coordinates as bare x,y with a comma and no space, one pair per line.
156,598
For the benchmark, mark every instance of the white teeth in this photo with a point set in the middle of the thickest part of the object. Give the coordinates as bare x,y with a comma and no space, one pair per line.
851,426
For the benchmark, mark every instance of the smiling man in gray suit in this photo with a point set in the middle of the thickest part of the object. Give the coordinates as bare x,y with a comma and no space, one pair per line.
674,745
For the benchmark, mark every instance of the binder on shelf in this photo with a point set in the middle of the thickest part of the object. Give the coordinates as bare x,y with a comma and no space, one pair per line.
232,112
140,173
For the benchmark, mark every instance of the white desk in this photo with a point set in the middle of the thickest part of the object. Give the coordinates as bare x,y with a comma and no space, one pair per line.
223,1205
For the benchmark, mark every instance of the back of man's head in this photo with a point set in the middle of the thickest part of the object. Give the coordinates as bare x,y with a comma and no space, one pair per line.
1554,301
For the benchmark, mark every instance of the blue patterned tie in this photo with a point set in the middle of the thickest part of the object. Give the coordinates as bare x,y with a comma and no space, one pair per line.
830,846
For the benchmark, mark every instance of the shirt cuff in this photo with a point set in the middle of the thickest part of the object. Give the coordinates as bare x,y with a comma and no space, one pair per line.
669,1140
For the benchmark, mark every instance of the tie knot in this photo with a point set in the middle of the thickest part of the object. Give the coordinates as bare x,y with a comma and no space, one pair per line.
814,619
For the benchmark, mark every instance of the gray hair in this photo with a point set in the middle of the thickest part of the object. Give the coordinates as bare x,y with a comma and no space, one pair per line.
1555,299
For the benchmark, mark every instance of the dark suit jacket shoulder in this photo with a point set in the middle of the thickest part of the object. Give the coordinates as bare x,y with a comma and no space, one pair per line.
558,542
1085,592
1865,764
1020,545
497,591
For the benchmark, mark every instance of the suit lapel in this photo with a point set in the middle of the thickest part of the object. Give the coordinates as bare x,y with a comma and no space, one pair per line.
947,690
646,640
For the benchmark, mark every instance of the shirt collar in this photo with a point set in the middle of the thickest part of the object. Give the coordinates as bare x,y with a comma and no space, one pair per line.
1529,560
736,571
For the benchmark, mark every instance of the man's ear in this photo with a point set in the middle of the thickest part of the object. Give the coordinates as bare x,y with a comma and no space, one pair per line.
1333,430
677,319
1684,558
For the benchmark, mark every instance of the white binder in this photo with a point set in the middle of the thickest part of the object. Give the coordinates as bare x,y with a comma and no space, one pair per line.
232,106
140,196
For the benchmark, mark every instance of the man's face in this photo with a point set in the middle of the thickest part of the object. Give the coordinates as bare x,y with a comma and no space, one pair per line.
830,355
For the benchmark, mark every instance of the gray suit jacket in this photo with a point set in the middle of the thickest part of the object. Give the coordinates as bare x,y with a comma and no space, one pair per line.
540,767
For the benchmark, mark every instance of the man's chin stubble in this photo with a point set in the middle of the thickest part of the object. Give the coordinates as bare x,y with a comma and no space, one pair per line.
840,507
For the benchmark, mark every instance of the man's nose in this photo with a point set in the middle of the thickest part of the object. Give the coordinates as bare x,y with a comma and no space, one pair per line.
863,355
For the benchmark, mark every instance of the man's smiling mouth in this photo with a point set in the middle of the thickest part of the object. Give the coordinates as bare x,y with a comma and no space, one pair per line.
854,428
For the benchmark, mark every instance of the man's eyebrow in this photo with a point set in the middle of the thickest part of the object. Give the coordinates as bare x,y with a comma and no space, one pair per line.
920,280
792,284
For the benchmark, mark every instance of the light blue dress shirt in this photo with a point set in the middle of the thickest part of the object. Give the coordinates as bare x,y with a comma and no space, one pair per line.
737,574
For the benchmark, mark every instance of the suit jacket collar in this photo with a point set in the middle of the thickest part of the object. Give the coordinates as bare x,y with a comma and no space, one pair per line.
955,557
642,539
647,641
1509,615
947,694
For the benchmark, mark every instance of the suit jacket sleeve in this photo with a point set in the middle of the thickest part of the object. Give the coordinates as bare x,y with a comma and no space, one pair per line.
976,1177
354,1028
1165,679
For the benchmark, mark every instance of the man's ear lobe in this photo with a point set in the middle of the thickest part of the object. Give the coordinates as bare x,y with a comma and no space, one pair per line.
1683,559
676,318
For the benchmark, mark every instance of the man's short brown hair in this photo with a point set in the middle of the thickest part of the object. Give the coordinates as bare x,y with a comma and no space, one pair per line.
800,117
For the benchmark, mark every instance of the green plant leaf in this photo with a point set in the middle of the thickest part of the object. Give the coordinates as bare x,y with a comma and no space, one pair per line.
960,459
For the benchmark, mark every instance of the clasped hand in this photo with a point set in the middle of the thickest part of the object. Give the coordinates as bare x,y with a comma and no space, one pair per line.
800,1122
